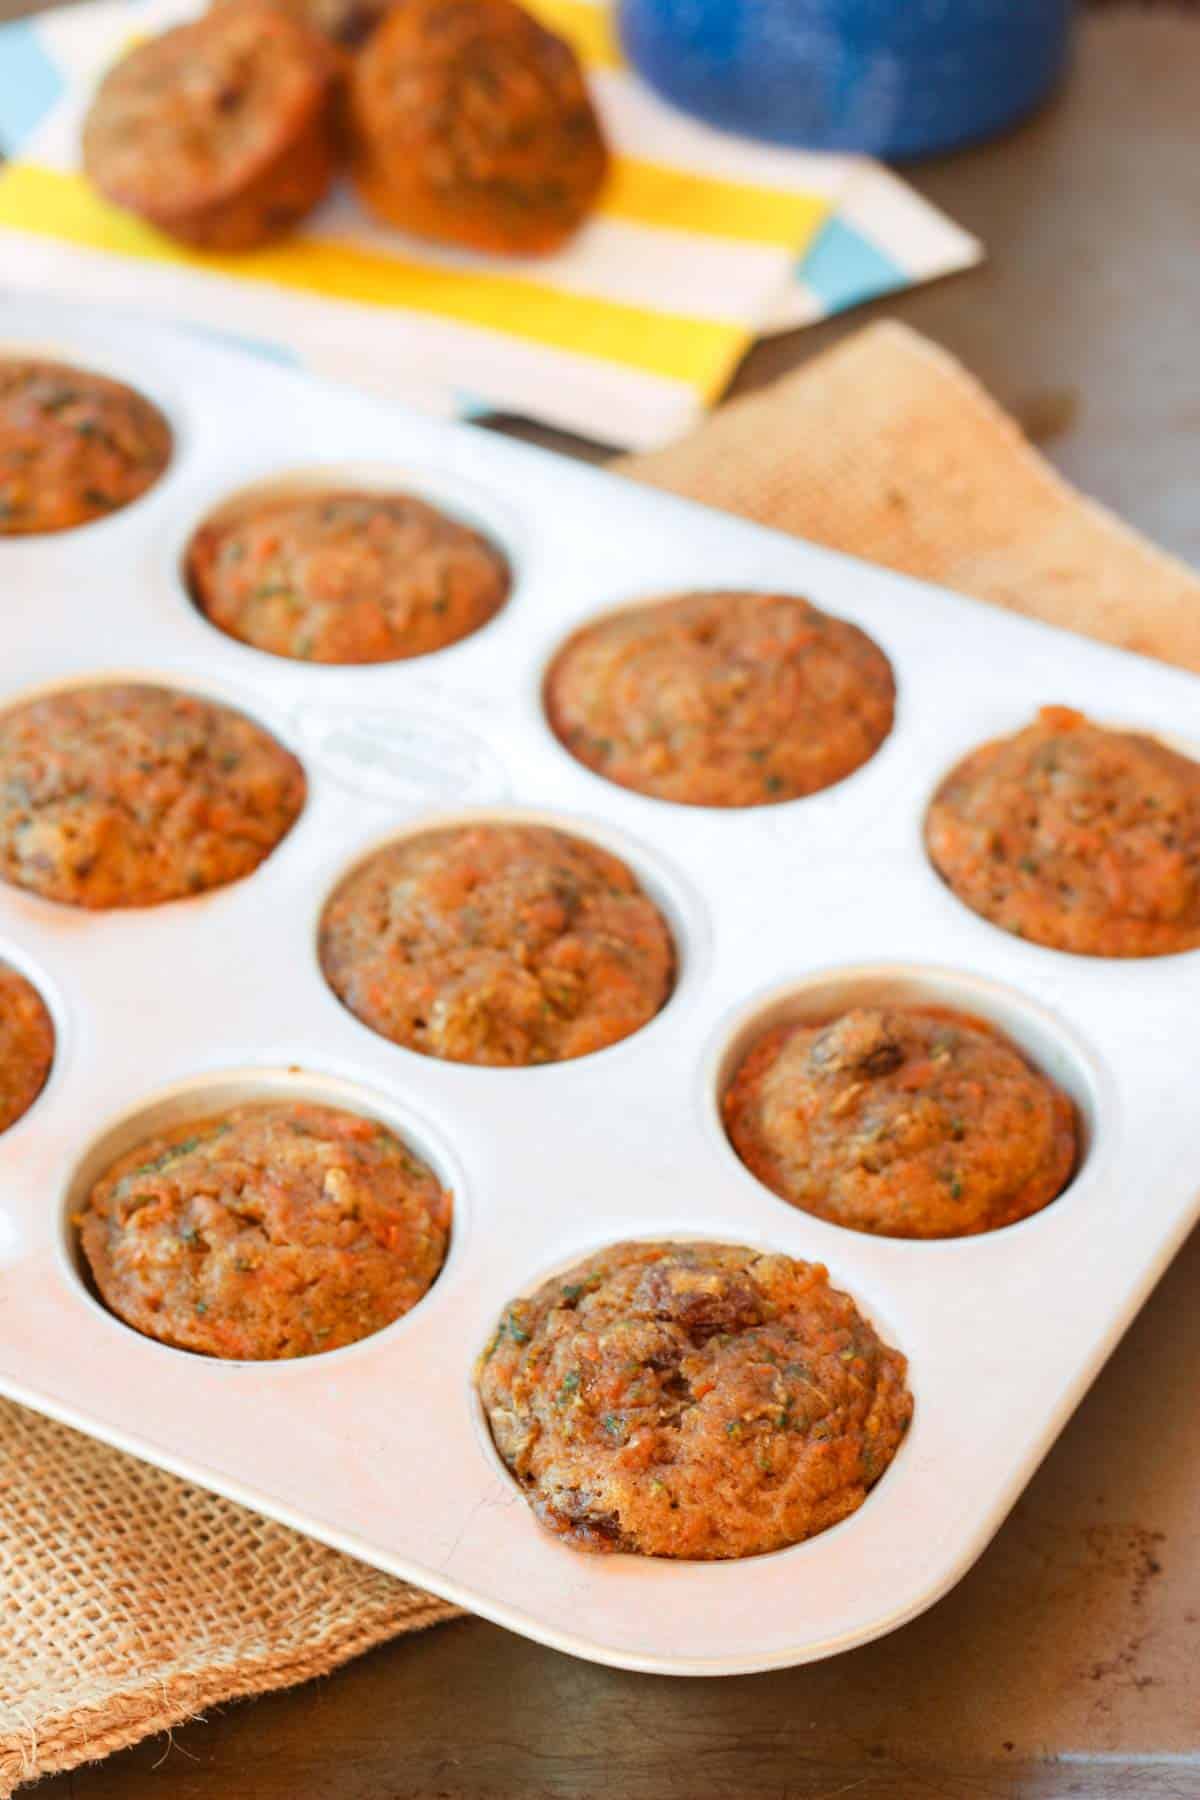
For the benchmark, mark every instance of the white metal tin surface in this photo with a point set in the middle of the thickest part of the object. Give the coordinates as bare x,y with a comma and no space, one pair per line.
379,1448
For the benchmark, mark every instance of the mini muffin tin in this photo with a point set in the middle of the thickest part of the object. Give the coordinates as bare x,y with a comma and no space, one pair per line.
780,911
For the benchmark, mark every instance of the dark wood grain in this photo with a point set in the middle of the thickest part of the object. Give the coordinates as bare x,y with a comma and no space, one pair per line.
1066,1662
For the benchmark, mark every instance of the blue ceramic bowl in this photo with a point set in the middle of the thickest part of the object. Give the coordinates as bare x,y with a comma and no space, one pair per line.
893,78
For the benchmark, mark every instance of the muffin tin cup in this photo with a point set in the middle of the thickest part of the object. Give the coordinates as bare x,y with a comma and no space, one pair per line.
217,1091
267,479
1044,1040
15,957
542,678
1121,721
94,536
680,906
380,1449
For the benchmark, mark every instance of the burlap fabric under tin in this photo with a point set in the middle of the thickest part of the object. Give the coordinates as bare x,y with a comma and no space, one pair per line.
130,1600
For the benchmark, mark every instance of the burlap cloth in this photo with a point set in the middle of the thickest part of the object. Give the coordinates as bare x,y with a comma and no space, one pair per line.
131,1601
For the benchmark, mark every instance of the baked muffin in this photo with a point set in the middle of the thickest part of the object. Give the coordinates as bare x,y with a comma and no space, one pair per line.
911,1122
74,446
273,1230
471,124
129,795
692,1400
345,577
1075,837
498,944
721,699
345,23
220,133
26,1045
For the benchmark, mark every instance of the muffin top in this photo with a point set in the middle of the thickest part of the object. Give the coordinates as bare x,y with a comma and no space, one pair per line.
129,795
692,1400
26,1045
348,23
1075,837
910,1122
189,119
274,1230
722,698
498,944
74,446
473,123
345,577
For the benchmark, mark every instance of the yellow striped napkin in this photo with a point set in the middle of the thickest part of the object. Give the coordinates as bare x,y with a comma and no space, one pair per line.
626,335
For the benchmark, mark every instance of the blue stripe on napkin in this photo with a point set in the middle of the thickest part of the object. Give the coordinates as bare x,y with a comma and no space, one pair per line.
30,86
843,268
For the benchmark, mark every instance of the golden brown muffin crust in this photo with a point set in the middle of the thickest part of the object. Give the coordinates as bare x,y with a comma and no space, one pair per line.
220,132
74,446
274,1230
911,1122
692,1400
129,795
347,23
472,123
345,577
26,1045
497,944
721,698
1076,837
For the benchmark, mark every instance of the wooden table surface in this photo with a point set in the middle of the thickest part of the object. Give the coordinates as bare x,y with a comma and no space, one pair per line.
1066,1663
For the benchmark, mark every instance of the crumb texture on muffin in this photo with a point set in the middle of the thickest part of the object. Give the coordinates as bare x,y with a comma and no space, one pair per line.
912,1122
346,23
74,446
26,1045
1076,837
274,1230
345,577
472,123
497,943
130,795
692,1400
219,132
722,698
